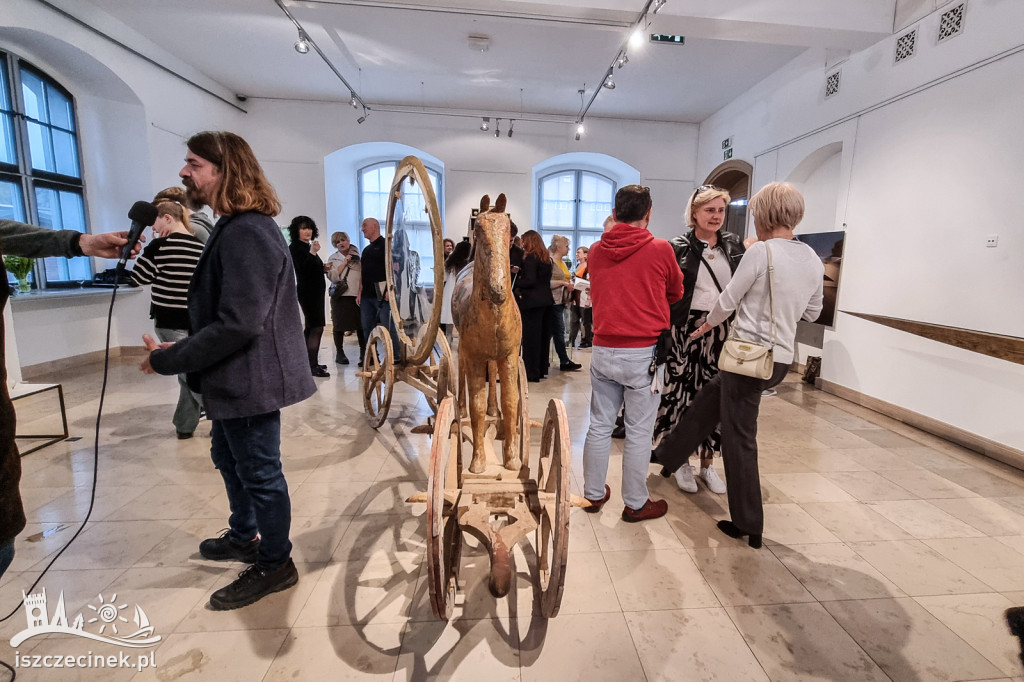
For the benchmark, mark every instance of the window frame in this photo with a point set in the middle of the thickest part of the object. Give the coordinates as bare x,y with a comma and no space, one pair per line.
29,179
577,232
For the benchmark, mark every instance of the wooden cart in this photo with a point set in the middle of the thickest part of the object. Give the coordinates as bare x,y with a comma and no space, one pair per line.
424,358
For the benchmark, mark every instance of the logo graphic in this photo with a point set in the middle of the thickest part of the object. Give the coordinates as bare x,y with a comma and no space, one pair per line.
108,615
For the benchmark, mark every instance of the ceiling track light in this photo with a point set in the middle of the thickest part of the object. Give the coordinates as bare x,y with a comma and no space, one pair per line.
485,125
656,7
302,44
510,124
353,101
366,115
609,82
497,127
622,59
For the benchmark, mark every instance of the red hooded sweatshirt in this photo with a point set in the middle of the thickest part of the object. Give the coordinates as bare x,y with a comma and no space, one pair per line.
633,280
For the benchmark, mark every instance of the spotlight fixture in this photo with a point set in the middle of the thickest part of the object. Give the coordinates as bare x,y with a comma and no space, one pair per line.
366,115
302,44
485,125
510,124
353,101
656,7
609,82
577,137
497,127
636,39
622,60
580,129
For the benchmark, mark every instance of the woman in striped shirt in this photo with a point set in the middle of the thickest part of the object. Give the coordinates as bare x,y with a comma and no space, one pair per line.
168,263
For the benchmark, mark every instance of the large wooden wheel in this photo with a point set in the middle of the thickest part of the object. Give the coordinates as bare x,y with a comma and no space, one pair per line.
553,526
444,485
378,376
442,369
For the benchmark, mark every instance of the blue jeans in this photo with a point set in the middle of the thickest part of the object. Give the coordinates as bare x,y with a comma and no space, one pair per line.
6,556
186,414
556,327
372,313
619,376
247,451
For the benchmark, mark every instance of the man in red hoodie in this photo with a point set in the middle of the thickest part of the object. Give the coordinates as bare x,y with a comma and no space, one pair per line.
633,280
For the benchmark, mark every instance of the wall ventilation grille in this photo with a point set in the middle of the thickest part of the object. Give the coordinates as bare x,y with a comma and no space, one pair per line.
832,84
951,23
906,45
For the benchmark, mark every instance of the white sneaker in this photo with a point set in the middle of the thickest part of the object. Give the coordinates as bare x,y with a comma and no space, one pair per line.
684,479
711,479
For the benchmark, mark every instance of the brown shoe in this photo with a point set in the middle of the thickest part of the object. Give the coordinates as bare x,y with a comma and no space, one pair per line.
595,505
650,510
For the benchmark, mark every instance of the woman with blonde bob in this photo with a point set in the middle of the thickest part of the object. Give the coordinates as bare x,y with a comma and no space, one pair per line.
734,400
708,256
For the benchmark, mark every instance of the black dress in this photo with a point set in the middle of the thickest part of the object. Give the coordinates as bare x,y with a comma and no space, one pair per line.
310,284
533,294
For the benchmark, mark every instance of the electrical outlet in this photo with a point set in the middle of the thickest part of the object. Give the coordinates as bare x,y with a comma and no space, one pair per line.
992,241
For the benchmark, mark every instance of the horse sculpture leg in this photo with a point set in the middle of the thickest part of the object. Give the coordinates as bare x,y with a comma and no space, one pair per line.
508,368
477,380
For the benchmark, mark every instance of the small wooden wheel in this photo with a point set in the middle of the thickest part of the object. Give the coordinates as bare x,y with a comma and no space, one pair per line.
442,369
553,529
444,485
378,376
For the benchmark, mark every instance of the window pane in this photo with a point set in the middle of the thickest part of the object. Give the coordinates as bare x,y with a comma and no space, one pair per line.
60,109
65,153
5,91
7,150
62,210
587,239
595,200
40,147
11,205
34,91
557,194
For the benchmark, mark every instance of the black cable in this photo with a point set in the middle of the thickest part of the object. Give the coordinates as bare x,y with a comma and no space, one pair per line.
95,461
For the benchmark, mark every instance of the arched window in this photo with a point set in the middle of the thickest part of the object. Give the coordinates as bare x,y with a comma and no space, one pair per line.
411,213
40,172
574,203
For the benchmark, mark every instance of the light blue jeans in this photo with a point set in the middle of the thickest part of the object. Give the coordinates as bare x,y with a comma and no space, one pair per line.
619,376
186,414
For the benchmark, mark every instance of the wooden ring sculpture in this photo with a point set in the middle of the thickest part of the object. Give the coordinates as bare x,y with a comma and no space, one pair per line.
378,376
444,536
411,169
440,368
553,491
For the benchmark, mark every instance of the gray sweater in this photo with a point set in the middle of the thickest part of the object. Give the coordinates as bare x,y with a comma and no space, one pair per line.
798,283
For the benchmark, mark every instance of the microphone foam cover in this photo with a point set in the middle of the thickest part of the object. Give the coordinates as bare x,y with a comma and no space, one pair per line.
143,213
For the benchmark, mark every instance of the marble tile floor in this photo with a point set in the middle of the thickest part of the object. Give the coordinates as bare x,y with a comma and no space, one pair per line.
889,554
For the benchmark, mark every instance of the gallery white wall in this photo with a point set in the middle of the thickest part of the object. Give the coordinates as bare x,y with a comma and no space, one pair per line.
929,167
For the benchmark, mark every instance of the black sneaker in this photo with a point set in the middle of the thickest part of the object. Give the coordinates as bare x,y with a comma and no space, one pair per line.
223,549
570,366
619,432
322,373
341,360
253,584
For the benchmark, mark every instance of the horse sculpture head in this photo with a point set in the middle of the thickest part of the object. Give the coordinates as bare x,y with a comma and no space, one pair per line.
491,235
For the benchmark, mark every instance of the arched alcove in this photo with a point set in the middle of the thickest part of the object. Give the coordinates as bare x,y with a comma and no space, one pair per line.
734,177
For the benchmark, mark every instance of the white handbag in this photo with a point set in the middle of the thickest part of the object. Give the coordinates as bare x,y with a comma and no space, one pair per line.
746,357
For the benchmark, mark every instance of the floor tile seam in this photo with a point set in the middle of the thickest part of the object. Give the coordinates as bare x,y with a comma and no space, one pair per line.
964,641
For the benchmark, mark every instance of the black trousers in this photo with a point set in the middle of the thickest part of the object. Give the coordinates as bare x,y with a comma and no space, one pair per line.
733,400
535,346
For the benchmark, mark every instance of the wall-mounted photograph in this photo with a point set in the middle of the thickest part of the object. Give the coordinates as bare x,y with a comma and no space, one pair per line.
829,247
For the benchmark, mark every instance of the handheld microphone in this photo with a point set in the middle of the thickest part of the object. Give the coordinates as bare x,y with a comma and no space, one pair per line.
142,214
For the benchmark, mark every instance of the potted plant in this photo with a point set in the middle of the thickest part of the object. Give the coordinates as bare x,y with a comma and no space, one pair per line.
20,267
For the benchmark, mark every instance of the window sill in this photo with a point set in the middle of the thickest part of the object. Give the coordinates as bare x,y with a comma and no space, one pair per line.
60,296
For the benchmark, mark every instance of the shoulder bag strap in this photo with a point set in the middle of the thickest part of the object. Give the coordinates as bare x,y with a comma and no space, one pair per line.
712,272
771,291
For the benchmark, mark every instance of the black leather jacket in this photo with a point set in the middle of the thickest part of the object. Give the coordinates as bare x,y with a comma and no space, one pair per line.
688,252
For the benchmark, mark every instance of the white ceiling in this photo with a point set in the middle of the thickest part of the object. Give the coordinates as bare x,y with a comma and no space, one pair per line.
415,53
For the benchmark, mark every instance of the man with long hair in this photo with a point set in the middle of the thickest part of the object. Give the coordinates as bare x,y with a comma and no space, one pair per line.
246,355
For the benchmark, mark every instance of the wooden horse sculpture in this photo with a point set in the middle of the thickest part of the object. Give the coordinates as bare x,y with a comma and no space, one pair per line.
490,331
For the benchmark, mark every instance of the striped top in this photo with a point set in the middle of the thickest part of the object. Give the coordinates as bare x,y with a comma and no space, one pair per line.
168,263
